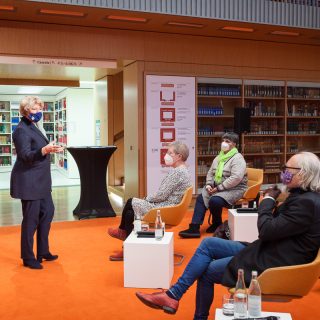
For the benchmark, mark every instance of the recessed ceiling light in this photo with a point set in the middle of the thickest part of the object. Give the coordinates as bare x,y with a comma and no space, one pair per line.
7,8
184,24
62,13
240,29
30,90
127,18
285,33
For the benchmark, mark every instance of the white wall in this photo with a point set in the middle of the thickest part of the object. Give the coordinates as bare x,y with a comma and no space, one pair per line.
100,100
80,122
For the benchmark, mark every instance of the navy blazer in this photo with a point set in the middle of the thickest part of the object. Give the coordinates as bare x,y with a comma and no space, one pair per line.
31,176
290,236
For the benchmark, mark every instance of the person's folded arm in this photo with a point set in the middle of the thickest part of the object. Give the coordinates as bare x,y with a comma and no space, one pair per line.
167,187
287,223
238,170
23,147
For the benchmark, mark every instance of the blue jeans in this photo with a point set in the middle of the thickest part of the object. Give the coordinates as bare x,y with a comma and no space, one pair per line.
207,267
216,204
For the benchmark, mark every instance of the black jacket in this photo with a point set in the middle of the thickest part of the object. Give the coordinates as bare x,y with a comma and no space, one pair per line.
290,236
30,177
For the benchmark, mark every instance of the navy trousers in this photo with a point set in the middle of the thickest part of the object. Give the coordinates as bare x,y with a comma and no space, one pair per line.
37,216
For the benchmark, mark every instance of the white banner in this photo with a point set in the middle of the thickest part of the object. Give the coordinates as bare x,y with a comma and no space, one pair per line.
170,103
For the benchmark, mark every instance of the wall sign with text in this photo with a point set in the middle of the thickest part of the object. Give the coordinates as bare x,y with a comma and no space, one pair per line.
170,108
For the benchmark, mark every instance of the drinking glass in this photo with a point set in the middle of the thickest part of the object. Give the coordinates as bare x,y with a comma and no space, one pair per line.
227,305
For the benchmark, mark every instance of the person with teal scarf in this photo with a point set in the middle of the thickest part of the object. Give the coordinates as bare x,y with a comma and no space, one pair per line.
225,184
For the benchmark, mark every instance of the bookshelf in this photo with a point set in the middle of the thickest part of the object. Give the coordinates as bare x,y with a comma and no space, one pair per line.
303,116
9,119
216,100
263,147
48,124
5,134
60,115
285,119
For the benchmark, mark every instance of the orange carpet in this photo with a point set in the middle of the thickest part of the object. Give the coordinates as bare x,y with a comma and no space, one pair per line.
84,284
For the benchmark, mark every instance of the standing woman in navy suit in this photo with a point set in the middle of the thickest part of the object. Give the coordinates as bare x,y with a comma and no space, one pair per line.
31,182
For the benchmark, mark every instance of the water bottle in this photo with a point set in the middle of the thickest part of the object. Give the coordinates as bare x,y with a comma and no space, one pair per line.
158,226
254,296
240,297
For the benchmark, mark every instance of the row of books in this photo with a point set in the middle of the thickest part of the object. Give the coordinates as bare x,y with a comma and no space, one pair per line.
303,127
300,92
260,109
5,161
268,164
5,139
304,110
266,146
218,90
210,111
263,91
60,105
269,127
4,106
5,149
48,107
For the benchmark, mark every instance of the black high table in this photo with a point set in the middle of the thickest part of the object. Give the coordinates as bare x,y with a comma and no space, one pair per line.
92,164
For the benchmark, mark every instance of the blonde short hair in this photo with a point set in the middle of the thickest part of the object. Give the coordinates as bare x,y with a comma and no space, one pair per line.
27,103
180,148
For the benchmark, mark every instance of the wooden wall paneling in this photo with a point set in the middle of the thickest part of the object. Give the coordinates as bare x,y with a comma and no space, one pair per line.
192,53
133,133
111,177
116,127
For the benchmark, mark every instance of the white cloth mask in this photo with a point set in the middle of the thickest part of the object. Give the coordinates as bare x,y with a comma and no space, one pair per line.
225,146
168,160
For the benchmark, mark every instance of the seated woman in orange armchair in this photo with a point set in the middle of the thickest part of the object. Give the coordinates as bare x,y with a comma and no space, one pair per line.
171,191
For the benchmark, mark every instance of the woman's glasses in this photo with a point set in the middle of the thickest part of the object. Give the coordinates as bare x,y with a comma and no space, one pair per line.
284,168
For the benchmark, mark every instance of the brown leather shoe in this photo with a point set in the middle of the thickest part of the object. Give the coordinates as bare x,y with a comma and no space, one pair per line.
159,300
117,233
117,256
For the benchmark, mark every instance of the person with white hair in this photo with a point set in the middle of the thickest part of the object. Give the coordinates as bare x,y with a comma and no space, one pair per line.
31,182
288,235
170,193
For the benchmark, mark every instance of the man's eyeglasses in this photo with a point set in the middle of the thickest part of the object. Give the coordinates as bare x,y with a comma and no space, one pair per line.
284,168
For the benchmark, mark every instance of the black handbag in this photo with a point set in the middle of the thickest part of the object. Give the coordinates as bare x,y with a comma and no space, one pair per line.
223,231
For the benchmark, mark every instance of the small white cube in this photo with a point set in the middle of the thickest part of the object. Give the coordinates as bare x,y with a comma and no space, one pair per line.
243,226
148,263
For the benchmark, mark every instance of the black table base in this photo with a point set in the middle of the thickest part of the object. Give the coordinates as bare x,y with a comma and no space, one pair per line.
92,164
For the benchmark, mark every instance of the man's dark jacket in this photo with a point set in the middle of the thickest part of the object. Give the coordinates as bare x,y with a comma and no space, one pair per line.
289,236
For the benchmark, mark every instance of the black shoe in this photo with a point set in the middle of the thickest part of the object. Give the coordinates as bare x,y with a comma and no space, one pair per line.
32,264
192,232
47,257
212,228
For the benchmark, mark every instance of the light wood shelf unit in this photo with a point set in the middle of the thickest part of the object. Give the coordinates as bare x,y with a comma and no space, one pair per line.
271,140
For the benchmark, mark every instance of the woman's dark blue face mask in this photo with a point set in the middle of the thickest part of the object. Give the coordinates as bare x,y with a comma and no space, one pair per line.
35,117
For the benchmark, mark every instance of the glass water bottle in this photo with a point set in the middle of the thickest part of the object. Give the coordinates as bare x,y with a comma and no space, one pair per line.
240,297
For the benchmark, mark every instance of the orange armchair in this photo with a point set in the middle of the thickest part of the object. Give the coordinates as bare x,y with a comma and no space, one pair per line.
291,281
171,215
255,179
282,284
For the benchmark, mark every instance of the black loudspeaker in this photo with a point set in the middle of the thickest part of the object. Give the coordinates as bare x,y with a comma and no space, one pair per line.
242,120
